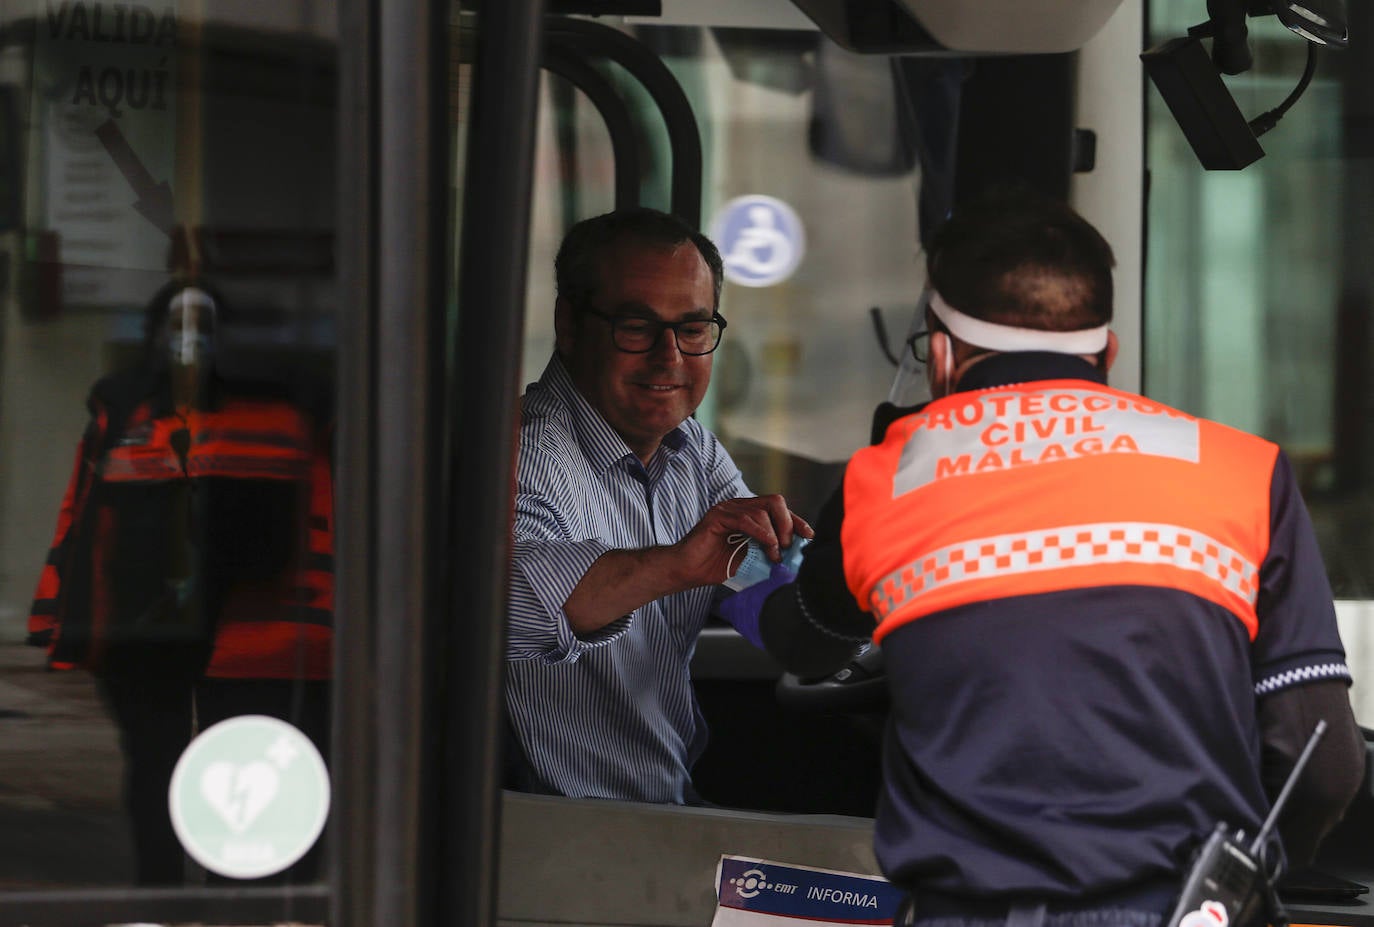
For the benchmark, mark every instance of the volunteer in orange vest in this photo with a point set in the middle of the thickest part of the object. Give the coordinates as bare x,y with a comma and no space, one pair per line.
1105,622
192,569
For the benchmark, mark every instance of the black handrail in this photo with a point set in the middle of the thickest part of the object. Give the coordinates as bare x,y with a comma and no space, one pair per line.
483,403
684,139
569,64
352,834
413,272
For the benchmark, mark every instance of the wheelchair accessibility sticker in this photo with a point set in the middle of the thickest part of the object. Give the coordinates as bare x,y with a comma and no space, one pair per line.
249,797
762,893
760,238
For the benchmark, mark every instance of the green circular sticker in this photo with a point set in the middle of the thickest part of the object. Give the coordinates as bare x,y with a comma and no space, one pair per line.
249,797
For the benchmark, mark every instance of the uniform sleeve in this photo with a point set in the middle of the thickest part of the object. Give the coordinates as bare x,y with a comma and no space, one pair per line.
553,551
821,584
1298,641
813,626
43,618
1333,775
1301,677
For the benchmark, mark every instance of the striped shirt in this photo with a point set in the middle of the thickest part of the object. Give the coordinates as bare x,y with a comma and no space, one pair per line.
611,714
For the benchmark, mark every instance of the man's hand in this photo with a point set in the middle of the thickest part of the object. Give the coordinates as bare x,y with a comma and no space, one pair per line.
704,556
742,609
622,580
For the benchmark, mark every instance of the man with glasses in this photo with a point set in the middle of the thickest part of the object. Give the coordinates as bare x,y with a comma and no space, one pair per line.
627,512
1105,623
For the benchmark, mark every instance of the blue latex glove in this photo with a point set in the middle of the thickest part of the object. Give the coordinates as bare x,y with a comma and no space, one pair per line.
742,608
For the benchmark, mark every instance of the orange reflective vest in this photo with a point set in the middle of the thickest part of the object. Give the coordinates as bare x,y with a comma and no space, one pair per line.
1051,486
270,572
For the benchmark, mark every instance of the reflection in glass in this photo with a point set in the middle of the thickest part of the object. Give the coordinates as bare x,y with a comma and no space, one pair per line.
191,571
796,377
191,574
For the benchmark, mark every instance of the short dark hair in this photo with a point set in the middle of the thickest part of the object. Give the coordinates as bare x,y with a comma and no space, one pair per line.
155,312
577,266
1018,257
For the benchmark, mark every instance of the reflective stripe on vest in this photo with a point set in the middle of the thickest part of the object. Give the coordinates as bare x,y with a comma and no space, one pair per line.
296,640
1052,486
1070,546
243,440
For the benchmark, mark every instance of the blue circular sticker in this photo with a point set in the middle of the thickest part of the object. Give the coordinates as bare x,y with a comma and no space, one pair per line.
760,238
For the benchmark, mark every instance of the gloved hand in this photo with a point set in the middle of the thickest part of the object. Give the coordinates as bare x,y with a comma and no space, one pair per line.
742,608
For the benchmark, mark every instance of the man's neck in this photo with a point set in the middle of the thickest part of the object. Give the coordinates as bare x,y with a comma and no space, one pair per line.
1022,367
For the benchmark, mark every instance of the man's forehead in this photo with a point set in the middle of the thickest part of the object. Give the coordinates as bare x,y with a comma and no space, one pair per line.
629,266
628,248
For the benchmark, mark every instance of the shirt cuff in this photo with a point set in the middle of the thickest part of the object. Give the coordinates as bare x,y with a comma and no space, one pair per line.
549,572
1312,667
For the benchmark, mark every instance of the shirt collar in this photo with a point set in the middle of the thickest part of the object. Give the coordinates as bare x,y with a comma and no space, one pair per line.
600,444
1028,366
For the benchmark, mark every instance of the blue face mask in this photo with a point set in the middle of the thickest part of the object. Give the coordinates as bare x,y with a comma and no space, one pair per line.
189,348
756,567
191,316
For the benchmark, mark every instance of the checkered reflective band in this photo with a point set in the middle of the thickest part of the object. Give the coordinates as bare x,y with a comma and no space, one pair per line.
1061,548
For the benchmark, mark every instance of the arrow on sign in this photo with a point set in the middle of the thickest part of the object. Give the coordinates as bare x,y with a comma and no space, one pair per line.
154,199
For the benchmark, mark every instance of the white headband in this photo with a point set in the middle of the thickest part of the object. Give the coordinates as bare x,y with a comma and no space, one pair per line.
193,296
1009,338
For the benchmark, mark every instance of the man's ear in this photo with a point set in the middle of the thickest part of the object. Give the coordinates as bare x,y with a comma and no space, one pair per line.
564,326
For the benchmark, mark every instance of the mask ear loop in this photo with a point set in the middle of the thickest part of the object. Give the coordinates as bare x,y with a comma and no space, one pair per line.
947,365
740,542
187,349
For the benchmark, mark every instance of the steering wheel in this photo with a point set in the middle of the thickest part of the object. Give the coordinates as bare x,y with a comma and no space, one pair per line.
860,686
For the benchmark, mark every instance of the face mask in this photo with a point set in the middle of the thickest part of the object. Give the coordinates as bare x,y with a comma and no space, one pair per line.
945,385
190,343
756,567
190,348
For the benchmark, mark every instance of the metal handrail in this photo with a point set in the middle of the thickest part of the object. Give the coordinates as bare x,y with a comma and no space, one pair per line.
643,65
482,411
568,63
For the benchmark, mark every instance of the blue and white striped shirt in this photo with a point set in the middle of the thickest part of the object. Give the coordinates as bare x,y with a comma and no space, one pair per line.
611,714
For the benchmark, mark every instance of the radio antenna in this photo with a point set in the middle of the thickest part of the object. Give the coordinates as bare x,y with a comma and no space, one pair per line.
1273,818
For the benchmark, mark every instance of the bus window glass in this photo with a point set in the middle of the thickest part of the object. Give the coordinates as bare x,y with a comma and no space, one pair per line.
800,368
1259,291
166,417
810,190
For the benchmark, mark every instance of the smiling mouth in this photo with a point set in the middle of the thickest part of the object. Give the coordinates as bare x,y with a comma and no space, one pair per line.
659,388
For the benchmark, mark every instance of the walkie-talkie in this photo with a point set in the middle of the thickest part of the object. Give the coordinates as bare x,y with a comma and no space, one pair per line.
1228,884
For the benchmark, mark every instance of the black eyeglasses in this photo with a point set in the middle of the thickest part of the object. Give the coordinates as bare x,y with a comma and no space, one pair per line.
636,335
920,346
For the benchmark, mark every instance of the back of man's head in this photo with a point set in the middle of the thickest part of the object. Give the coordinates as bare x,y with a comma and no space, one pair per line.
577,267
1020,258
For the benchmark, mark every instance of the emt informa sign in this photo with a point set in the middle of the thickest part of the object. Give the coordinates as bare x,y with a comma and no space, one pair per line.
762,893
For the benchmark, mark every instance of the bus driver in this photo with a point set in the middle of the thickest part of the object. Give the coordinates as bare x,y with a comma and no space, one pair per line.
624,504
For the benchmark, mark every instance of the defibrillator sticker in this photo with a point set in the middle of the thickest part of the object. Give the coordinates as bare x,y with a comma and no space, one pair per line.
249,797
